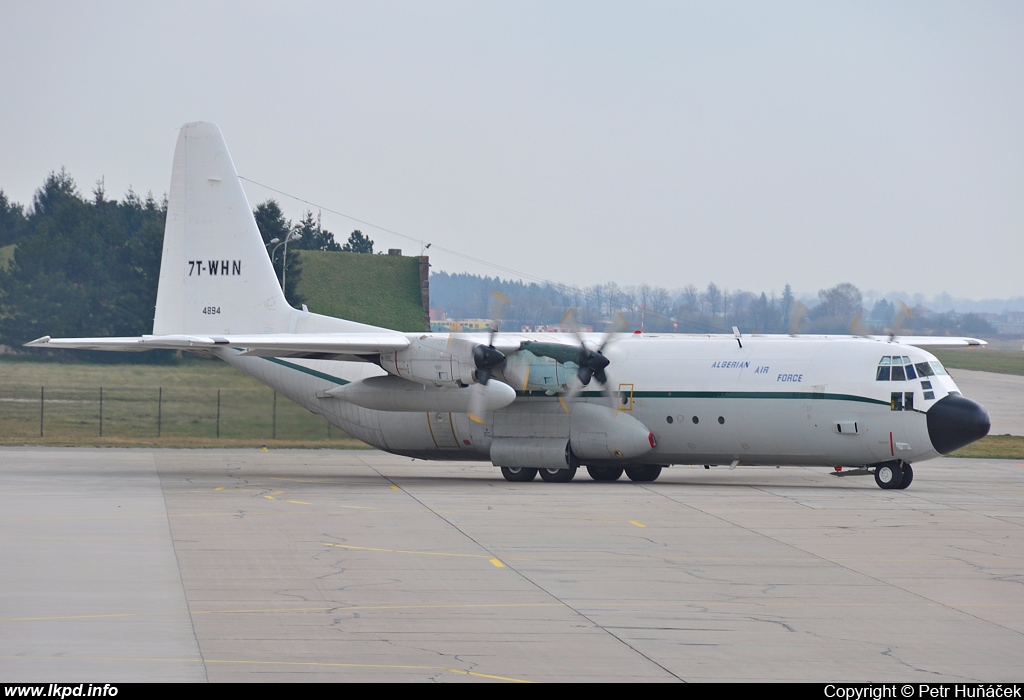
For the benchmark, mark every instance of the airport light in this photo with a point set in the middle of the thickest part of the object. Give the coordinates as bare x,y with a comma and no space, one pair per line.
294,235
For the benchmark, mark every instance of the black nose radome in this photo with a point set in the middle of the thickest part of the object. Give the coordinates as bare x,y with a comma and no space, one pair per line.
954,422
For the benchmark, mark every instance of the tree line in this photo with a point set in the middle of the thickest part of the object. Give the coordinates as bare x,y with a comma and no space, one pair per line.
712,309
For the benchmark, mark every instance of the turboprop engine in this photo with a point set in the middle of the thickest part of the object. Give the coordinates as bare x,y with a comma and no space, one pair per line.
440,362
434,374
552,367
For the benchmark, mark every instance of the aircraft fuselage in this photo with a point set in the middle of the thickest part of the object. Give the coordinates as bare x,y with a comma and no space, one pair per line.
774,400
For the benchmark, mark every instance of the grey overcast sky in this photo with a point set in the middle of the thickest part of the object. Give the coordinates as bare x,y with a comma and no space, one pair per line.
746,143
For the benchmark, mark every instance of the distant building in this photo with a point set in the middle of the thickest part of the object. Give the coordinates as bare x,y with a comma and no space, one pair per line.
451,325
557,328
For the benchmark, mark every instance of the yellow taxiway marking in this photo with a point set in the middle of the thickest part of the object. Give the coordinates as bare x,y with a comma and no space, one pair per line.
393,487
494,560
633,522
254,662
301,503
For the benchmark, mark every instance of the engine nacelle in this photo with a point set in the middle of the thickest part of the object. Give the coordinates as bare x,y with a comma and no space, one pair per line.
526,371
432,361
600,432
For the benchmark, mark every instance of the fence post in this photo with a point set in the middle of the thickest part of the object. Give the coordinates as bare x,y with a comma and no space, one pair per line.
101,411
41,392
218,412
159,410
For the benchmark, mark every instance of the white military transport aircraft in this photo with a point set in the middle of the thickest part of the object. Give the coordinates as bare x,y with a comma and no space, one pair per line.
547,403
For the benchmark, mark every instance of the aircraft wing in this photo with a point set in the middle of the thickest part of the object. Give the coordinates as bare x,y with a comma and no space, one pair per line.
311,345
923,341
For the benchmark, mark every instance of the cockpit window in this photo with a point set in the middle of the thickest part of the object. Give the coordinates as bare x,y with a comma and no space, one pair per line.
899,368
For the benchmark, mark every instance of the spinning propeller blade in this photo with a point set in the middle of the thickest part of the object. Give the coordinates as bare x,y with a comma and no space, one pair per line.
486,358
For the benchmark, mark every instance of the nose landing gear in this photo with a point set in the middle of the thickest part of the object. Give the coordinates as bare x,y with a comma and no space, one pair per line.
894,475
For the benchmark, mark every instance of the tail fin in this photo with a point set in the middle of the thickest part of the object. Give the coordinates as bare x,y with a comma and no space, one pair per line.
215,274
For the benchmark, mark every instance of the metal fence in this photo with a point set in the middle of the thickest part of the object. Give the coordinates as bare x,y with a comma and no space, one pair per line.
53,412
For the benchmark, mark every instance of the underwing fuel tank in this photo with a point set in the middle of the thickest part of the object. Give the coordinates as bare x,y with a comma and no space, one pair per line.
390,393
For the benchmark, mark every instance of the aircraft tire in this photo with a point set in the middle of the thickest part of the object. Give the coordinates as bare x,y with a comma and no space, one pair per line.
517,474
908,476
888,475
645,472
558,476
604,473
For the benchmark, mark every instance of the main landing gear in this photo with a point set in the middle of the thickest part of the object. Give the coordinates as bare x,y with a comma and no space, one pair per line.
639,473
518,473
604,473
558,476
894,475
645,472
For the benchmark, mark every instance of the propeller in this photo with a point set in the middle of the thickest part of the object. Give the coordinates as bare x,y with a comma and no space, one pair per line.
796,317
903,314
486,358
857,326
592,363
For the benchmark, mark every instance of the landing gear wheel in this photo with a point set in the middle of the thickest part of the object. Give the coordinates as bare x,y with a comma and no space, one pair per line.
558,476
888,475
518,473
645,472
908,476
604,473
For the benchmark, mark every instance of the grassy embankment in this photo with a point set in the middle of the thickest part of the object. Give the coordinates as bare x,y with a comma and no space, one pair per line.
1001,361
983,360
381,290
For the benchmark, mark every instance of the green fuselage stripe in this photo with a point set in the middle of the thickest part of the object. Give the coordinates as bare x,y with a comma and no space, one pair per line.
307,370
770,395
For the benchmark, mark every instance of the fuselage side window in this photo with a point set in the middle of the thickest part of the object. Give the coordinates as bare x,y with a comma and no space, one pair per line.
896,401
938,369
924,369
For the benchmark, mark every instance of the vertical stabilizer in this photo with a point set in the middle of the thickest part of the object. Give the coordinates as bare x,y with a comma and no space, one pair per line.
215,274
